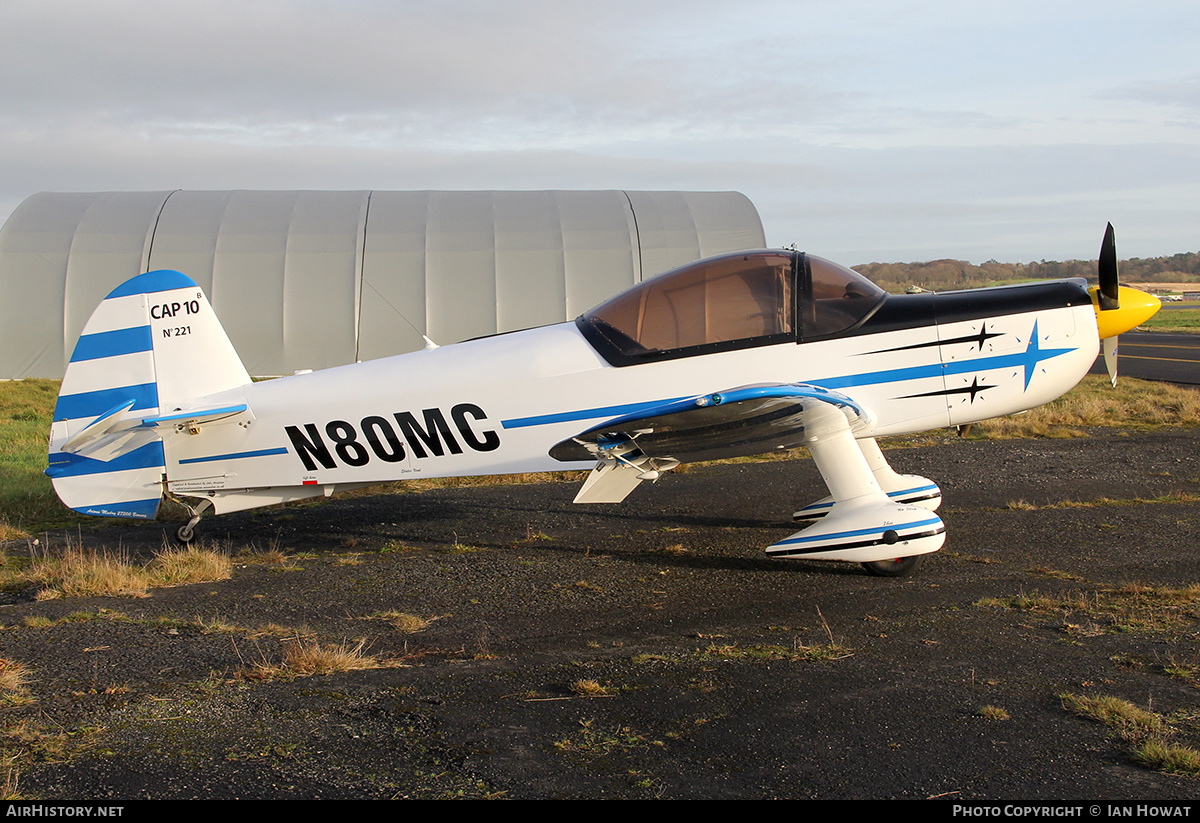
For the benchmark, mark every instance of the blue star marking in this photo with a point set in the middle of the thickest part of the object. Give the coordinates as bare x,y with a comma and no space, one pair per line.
1034,355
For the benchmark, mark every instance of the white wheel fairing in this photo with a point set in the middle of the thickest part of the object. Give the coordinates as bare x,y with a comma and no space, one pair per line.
864,532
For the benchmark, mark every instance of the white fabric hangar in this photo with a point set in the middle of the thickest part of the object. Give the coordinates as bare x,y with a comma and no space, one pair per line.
313,279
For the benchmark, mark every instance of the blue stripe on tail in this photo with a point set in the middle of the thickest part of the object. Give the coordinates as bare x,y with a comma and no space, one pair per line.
112,344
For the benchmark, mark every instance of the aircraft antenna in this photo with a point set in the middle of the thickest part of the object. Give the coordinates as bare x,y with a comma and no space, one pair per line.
429,344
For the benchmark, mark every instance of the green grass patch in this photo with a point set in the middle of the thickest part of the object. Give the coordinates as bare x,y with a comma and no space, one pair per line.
1182,320
1130,721
1170,758
1147,734
27,500
1132,607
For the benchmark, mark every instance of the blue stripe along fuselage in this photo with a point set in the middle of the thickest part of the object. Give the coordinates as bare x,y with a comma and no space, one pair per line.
234,456
584,414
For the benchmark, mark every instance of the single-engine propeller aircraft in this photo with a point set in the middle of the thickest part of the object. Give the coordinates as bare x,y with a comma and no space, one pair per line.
739,354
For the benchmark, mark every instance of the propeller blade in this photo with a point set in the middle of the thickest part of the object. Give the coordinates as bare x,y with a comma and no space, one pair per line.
1109,281
1110,358
1111,317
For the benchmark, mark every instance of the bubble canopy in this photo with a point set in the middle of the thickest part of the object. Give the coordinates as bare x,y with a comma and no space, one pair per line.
729,302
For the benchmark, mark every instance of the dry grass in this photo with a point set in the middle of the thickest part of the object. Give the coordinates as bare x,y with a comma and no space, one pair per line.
270,556
1132,607
10,532
180,567
404,621
306,657
1140,405
313,657
798,652
79,572
76,571
10,784
14,679
590,688
1100,502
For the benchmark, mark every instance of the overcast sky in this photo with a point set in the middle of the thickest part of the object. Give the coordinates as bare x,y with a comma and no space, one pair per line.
862,131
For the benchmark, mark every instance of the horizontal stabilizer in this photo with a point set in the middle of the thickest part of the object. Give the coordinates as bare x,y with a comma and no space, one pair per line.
99,427
193,418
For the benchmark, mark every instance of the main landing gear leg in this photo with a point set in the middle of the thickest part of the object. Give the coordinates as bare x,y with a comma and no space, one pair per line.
862,523
908,489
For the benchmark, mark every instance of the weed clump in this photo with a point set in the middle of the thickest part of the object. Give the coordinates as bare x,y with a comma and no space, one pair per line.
76,571
1147,733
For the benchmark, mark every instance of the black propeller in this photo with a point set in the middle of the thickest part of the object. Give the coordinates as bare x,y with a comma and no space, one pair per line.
1109,285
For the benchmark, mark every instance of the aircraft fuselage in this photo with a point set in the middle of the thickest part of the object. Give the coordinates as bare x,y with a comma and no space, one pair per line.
498,405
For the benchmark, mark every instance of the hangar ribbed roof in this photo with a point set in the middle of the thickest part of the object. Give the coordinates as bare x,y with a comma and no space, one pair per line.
312,279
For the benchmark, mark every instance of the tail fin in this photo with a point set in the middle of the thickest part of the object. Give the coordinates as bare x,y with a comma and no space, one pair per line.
153,343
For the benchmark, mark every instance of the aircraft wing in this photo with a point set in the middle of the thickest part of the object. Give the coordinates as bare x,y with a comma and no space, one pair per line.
741,421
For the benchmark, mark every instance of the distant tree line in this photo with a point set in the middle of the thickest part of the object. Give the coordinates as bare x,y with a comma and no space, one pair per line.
942,275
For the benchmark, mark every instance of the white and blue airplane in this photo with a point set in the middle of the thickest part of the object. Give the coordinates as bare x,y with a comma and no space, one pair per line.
740,354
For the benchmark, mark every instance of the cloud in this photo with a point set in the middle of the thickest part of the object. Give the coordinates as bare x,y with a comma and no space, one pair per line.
1180,95
875,127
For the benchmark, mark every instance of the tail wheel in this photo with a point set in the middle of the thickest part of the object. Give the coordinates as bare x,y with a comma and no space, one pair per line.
900,567
187,532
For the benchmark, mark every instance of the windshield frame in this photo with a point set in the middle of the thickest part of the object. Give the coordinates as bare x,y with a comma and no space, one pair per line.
832,299
823,300
621,348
